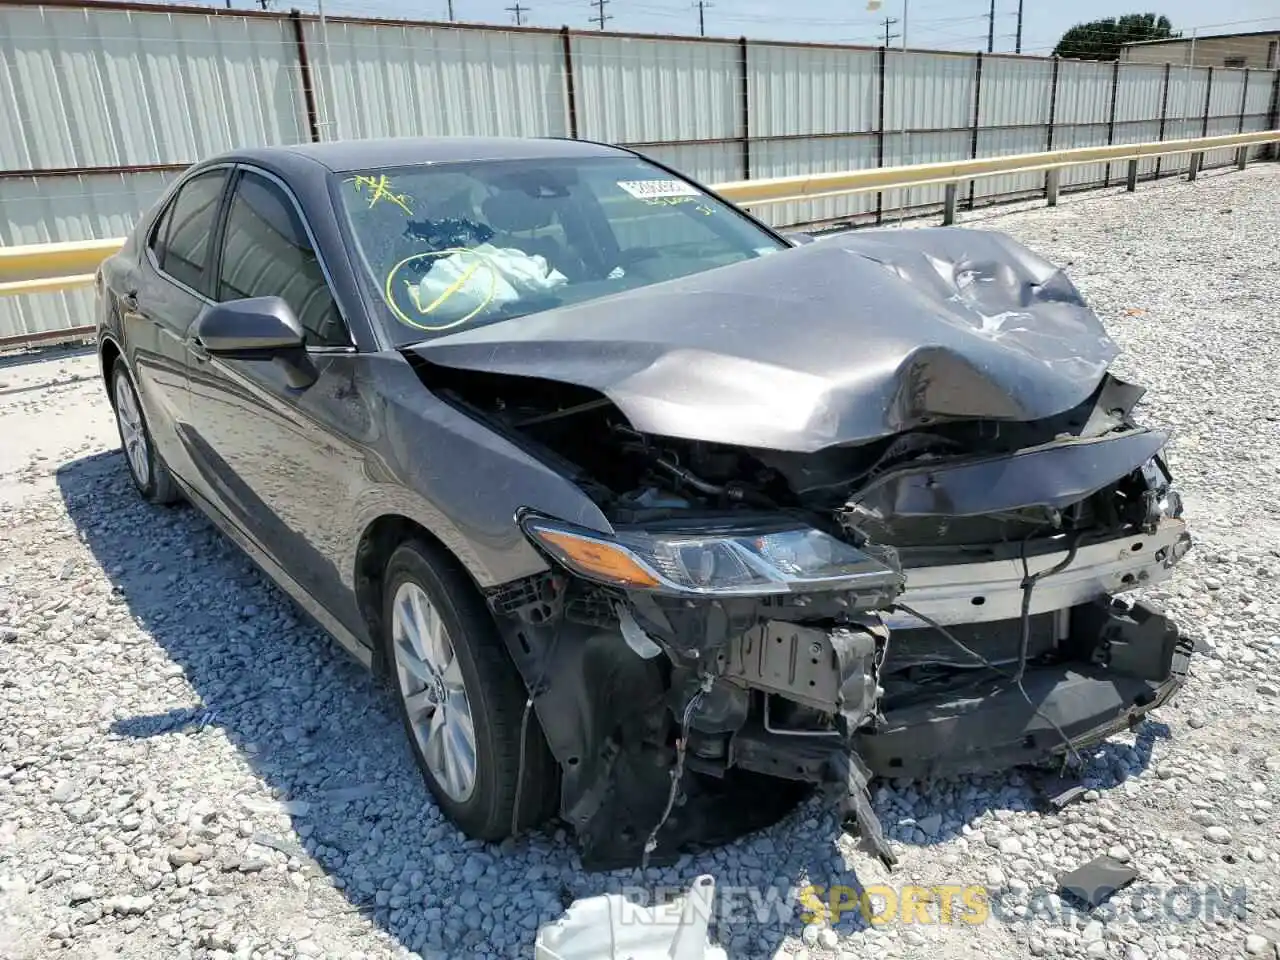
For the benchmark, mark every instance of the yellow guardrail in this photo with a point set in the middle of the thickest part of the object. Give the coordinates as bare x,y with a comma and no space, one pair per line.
44,267
818,186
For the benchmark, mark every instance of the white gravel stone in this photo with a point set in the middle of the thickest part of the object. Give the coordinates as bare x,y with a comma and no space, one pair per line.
157,695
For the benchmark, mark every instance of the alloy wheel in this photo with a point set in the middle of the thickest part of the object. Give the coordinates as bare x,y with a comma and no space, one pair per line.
433,690
132,433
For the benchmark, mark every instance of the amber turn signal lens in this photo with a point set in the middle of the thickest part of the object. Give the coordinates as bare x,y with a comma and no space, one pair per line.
601,561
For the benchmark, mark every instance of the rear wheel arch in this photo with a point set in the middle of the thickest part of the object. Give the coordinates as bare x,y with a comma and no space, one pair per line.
109,353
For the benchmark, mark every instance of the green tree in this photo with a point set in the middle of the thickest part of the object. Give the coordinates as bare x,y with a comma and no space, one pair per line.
1102,39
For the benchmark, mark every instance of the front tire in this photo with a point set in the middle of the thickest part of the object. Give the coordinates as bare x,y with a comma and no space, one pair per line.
150,475
461,699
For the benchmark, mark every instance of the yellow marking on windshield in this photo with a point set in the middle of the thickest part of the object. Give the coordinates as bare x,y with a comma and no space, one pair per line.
379,188
389,290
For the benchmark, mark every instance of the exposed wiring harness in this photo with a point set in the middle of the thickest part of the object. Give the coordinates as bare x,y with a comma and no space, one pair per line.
677,771
1029,580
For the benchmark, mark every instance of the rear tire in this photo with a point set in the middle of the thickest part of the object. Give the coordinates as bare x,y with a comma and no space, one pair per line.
461,699
149,474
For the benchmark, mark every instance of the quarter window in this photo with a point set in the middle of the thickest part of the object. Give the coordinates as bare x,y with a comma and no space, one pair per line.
181,240
266,253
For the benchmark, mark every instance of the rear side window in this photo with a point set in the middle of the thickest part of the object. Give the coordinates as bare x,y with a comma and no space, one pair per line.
266,253
182,239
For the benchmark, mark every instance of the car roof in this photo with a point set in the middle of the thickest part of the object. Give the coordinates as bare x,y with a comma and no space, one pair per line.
343,156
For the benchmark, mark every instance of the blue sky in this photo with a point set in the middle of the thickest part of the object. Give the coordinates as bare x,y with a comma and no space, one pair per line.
943,24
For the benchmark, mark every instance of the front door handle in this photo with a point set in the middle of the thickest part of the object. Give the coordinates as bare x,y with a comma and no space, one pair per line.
130,300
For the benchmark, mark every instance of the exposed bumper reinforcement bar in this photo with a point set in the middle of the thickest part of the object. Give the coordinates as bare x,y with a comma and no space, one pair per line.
992,590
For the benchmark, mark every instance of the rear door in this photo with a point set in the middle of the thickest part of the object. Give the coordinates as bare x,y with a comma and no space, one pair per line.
281,463
163,297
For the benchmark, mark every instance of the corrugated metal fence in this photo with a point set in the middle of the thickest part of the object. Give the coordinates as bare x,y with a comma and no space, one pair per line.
102,104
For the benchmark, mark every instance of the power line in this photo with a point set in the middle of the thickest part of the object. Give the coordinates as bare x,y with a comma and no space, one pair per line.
887,22
600,16
702,17
518,12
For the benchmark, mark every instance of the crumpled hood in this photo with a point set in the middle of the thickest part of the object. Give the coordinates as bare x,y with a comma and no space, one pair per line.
839,341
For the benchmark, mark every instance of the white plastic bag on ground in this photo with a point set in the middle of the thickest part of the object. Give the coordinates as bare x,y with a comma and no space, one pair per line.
610,927
486,276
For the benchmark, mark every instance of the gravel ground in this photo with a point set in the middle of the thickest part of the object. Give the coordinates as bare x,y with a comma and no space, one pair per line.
187,770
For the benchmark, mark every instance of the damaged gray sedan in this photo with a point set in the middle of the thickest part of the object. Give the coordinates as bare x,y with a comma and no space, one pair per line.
655,519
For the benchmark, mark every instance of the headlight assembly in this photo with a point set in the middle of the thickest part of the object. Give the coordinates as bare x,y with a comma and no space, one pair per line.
740,562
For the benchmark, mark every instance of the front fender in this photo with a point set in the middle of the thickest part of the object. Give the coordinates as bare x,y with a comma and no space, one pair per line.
459,480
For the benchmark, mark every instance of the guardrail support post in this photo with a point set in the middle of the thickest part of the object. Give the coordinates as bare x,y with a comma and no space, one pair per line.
1242,158
1051,185
1131,180
949,204
1193,168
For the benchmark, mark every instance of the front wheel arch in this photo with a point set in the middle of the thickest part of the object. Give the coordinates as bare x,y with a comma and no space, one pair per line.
378,542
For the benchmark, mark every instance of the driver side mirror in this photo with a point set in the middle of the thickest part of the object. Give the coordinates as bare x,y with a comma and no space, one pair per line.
258,328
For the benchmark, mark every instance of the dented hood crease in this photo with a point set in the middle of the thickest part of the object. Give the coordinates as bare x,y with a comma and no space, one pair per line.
840,341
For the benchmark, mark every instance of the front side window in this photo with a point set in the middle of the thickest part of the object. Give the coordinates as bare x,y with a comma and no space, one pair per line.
266,253
453,245
181,239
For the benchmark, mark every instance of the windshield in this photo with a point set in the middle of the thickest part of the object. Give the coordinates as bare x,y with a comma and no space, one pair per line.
452,246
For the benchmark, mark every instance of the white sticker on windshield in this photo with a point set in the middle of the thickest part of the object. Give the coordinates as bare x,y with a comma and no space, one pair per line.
649,189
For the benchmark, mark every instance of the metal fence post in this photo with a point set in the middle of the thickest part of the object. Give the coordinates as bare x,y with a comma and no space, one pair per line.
304,74
1053,110
1242,153
1164,112
1111,116
1131,176
1208,95
571,97
1193,168
744,86
973,136
880,65
1052,179
1273,113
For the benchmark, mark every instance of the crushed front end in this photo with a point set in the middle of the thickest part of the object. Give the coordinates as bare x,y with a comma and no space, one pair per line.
839,546
937,602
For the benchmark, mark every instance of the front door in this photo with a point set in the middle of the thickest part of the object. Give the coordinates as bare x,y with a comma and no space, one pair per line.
275,460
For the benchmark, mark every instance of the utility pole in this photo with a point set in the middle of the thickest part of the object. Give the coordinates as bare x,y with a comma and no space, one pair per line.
702,16
600,16
1017,43
451,11
519,12
887,22
991,28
